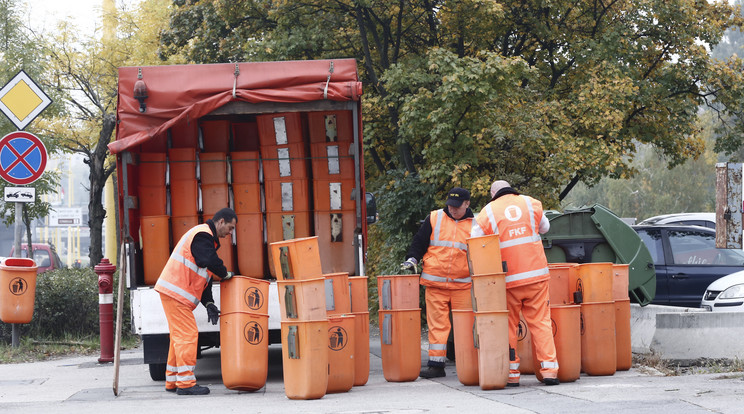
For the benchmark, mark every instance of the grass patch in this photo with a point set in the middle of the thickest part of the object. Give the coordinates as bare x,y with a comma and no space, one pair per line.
652,364
34,350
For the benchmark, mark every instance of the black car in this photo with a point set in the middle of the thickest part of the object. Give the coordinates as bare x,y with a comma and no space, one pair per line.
686,261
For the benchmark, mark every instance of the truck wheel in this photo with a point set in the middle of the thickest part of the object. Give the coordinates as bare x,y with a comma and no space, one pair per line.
157,372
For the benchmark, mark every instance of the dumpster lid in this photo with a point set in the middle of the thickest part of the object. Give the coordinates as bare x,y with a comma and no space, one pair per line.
596,234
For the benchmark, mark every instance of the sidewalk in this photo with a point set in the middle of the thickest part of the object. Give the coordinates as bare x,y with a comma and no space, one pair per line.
81,385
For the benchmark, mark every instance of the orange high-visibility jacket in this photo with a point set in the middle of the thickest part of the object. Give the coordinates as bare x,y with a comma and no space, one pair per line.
446,259
517,219
181,278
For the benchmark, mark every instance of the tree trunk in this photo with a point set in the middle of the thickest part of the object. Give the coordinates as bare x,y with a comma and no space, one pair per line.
98,175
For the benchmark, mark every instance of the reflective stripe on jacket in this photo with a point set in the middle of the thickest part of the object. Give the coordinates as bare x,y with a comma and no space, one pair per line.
446,259
181,278
516,219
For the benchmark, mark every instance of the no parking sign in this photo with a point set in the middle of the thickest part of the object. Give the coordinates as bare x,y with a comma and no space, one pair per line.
23,158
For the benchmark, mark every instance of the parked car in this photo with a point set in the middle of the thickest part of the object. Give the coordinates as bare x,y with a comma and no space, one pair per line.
725,294
692,219
45,256
686,261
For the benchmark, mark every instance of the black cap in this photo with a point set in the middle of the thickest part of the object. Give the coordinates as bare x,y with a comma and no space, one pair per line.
456,196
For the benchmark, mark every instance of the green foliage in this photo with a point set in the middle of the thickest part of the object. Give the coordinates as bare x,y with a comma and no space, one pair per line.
657,189
66,305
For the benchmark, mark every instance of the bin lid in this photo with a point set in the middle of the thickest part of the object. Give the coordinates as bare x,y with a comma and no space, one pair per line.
24,262
596,234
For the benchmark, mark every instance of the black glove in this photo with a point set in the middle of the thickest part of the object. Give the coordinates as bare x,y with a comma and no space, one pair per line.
213,314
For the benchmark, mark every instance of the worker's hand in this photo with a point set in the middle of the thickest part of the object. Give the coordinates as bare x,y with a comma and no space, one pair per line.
410,266
229,275
213,314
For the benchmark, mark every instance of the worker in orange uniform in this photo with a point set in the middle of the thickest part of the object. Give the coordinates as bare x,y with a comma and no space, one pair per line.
440,242
519,220
185,281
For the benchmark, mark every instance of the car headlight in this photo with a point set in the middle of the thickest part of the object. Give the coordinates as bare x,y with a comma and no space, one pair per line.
736,291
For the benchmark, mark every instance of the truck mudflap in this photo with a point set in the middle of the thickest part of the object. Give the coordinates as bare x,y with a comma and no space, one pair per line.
595,234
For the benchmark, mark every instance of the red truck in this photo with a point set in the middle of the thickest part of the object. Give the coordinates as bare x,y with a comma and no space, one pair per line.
279,142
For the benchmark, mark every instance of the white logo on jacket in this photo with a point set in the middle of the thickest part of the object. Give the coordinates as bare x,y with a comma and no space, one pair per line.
513,213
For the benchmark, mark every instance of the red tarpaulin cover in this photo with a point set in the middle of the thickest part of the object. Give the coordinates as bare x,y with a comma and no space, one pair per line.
181,92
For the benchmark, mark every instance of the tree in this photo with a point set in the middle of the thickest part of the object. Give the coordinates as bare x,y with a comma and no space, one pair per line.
84,73
656,189
603,75
544,94
19,52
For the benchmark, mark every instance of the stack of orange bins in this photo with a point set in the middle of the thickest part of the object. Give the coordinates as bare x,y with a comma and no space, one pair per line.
331,139
244,166
400,326
153,215
598,343
215,196
305,328
184,190
491,316
244,329
284,166
566,319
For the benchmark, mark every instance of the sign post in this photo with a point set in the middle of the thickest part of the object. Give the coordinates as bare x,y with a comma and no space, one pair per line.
23,156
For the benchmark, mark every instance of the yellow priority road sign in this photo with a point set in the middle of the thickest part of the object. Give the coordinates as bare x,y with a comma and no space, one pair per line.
21,100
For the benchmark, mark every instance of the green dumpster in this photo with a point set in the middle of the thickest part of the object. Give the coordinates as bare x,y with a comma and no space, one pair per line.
595,234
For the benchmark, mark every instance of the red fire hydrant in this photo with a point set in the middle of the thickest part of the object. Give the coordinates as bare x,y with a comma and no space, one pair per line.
105,271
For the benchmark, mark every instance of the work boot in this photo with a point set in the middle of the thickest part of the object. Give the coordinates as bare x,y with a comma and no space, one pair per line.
551,381
432,372
195,390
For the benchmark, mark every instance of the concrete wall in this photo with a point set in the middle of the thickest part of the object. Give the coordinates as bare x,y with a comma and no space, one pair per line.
686,334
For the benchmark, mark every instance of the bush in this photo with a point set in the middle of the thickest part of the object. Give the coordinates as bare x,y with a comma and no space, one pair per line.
66,305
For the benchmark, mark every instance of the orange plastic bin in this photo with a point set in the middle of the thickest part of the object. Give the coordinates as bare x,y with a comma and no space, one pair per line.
17,290
560,287
398,291
302,299
244,350
598,344
466,355
484,255
594,281
400,337
305,359
337,293
296,259
493,349
567,337
361,348
180,225
489,292
244,294
341,350
359,293
155,246
622,333
250,246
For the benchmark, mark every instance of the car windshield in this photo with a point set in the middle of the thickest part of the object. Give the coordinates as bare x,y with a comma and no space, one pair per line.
699,247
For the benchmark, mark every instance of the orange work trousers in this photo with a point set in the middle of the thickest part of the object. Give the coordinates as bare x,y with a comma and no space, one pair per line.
184,339
439,302
533,301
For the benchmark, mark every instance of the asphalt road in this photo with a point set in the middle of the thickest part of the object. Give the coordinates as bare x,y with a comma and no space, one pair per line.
82,385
